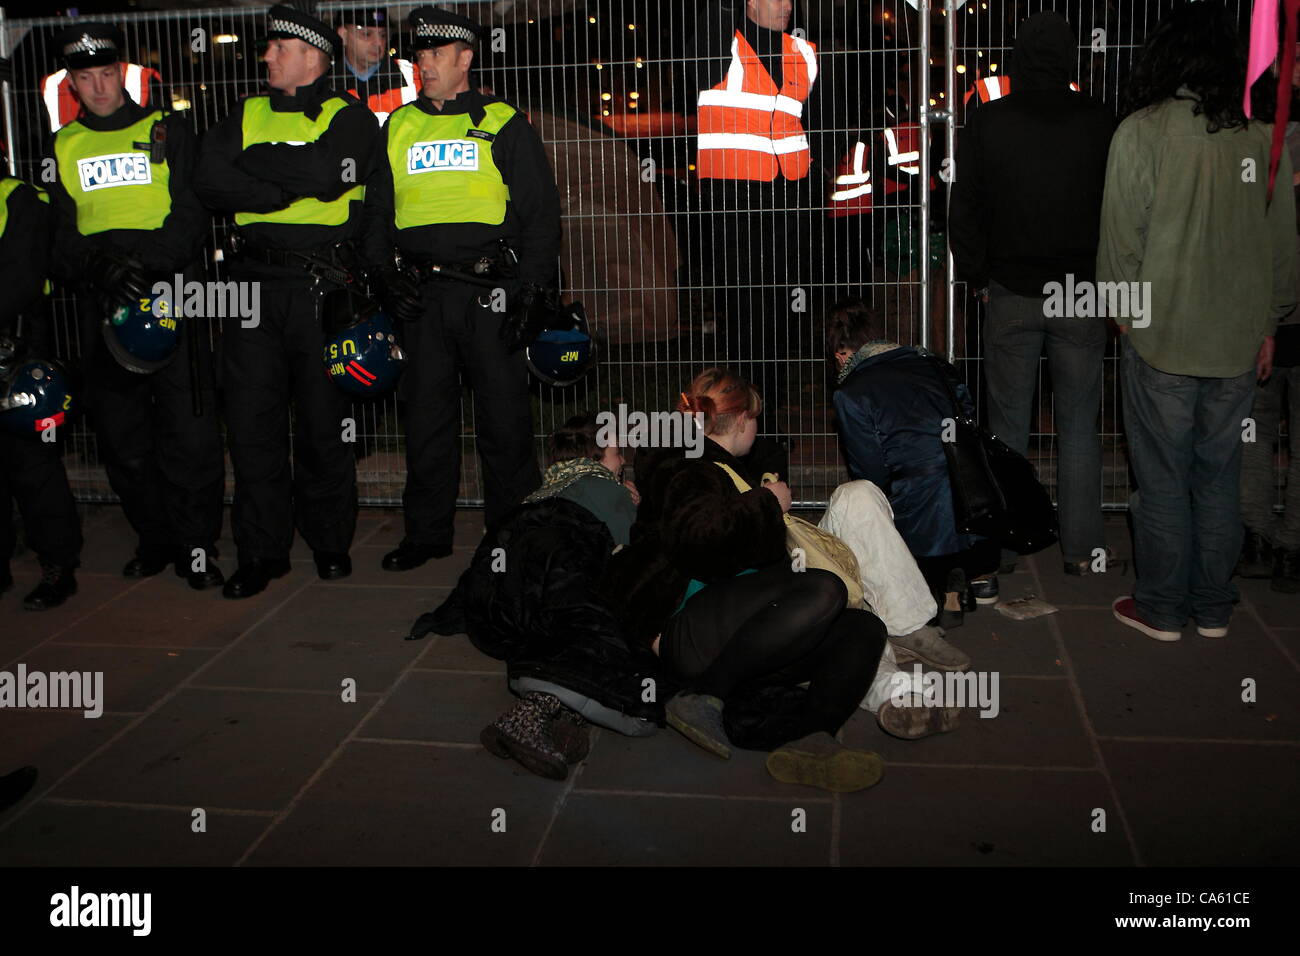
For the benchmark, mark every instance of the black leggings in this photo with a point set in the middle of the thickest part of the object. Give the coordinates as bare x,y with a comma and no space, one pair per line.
777,627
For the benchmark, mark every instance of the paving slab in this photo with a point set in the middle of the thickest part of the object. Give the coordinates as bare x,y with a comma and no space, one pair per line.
55,834
1038,724
997,643
21,630
454,652
134,678
319,637
243,750
920,816
601,829
1274,607
410,805
442,707
53,742
1135,686
1209,804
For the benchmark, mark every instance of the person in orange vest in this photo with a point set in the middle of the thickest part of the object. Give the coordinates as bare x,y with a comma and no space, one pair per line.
754,75
993,87
367,70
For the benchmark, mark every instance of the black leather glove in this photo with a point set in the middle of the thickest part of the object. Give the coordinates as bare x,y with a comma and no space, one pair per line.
118,278
399,294
529,311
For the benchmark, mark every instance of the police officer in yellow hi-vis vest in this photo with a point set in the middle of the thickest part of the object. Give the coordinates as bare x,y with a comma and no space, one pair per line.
31,469
126,217
292,166
468,190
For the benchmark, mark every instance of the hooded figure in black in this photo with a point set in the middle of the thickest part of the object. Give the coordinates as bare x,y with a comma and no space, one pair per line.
1025,215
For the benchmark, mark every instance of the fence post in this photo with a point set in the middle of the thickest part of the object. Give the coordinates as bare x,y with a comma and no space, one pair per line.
923,170
7,94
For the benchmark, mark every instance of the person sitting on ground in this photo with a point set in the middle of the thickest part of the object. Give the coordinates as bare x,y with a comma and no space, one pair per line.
890,409
707,583
531,597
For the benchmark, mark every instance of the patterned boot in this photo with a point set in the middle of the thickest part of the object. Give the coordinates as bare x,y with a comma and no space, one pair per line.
525,733
572,735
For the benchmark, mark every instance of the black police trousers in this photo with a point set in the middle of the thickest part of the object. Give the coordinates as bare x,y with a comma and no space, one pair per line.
459,335
32,474
264,369
165,463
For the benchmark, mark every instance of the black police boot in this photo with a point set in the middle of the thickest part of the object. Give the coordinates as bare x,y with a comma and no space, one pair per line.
209,577
408,556
144,566
14,786
253,577
57,585
332,567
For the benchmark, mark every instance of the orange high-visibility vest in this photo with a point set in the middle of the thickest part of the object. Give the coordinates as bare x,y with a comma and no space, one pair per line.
748,129
63,106
994,88
383,103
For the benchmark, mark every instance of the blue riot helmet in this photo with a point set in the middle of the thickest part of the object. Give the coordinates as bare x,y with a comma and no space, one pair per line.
144,334
361,353
34,393
563,352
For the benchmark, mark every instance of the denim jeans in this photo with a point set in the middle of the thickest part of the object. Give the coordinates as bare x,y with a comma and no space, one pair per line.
1258,479
1184,443
1015,334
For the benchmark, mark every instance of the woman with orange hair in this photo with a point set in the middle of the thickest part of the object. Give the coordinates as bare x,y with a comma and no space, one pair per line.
707,583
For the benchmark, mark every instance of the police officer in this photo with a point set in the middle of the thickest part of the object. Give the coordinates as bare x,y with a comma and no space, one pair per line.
366,70
292,166
466,178
126,217
31,469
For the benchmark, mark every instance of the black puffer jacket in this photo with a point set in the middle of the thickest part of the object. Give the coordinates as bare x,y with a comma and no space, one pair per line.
692,523
544,614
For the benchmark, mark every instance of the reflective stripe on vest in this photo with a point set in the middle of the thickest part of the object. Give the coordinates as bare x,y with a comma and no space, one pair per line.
995,87
110,178
63,107
854,179
442,172
749,129
903,157
261,124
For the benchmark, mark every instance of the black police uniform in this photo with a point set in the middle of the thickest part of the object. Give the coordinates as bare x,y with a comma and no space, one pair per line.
31,470
460,332
164,462
297,207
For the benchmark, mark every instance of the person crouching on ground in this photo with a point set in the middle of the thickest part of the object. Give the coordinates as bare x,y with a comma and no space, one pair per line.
890,406
707,583
531,597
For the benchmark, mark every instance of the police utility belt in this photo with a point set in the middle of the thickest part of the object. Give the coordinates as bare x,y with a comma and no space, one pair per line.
333,265
485,271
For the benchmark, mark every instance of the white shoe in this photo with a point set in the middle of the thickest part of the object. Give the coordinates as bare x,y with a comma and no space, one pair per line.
1212,631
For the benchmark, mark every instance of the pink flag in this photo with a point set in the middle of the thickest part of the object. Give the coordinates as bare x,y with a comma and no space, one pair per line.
1263,44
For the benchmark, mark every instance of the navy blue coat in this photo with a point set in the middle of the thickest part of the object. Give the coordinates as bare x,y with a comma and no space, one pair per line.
890,413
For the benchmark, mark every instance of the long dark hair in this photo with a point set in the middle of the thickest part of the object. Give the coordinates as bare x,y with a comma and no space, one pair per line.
1197,46
576,438
852,324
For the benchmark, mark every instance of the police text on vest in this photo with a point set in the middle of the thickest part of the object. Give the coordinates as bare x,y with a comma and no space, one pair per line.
119,169
442,154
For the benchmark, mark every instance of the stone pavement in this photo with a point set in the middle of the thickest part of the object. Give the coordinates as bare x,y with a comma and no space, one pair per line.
236,708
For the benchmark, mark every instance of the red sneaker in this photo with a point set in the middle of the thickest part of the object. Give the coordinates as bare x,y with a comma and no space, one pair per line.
1126,612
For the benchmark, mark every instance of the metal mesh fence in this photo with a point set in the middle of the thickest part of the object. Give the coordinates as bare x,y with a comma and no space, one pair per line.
676,271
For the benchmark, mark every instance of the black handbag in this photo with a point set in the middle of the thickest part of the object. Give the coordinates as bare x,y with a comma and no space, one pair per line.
995,489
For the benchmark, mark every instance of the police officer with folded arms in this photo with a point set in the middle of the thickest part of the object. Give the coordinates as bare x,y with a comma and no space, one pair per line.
471,200
292,166
31,469
126,217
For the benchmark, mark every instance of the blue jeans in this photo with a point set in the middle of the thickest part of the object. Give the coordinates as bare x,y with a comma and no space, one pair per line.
1184,443
1015,334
